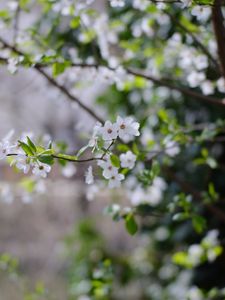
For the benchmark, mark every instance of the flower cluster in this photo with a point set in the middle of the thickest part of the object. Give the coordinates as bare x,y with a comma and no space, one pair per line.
21,159
124,128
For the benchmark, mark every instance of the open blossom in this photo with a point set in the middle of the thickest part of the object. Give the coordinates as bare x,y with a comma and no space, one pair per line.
127,128
89,178
108,169
127,160
22,163
109,131
115,180
41,170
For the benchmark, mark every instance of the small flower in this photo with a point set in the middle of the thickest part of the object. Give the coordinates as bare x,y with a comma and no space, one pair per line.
109,131
108,169
22,163
207,87
221,85
195,78
127,128
115,181
41,170
4,149
89,178
128,160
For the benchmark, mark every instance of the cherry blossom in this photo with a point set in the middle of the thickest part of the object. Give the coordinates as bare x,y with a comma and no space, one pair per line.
109,131
41,169
127,128
115,180
23,163
89,178
128,160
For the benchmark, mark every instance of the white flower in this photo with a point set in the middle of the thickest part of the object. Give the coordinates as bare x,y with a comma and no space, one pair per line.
4,149
89,178
221,85
117,3
171,148
195,78
127,128
128,160
69,170
195,253
202,13
115,180
41,170
109,131
22,163
207,87
186,3
108,169
201,62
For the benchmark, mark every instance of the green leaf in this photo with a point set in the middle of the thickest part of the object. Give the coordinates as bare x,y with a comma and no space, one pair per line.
59,67
31,145
122,148
115,160
26,148
46,159
199,223
131,224
75,22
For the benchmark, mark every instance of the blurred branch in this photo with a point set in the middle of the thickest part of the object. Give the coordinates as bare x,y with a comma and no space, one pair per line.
53,82
195,39
218,24
184,91
135,72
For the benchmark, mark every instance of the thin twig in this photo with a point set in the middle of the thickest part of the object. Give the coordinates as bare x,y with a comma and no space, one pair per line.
51,80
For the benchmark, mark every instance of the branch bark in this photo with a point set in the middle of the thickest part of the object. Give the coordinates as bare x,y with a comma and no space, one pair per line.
217,19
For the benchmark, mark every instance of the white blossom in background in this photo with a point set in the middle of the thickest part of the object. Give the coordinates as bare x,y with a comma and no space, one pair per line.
186,3
194,293
194,79
41,169
6,194
200,62
202,13
195,253
172,148
221,85
89,178
128,160
117,3
69,170
4,149
152,195
207,87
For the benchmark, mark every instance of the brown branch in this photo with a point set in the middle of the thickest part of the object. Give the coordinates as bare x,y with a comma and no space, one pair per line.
51,80
217,19
184,91
135,72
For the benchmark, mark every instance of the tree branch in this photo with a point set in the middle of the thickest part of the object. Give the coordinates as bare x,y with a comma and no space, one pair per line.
51,80
217,19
